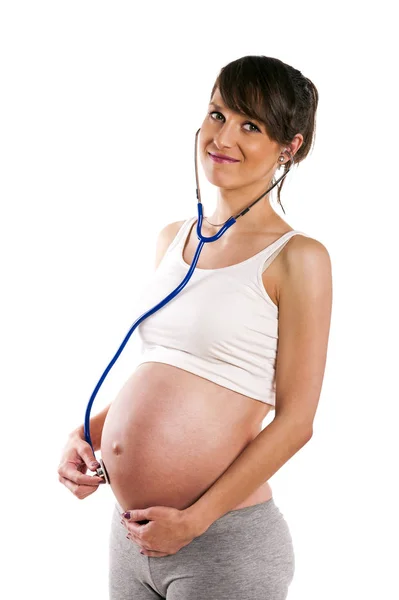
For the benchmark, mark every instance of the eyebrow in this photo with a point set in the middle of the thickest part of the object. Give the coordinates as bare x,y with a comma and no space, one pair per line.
215,105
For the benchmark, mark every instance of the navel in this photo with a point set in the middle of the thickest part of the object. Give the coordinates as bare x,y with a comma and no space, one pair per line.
117,448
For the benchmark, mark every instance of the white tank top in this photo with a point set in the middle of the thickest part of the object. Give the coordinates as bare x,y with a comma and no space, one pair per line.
222,325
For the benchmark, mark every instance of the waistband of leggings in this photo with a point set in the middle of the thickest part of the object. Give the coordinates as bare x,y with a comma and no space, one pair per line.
266,507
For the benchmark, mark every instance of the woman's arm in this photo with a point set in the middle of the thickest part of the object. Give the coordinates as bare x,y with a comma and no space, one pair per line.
96,428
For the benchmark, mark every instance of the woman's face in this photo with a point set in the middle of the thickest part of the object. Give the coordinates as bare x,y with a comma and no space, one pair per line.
229,133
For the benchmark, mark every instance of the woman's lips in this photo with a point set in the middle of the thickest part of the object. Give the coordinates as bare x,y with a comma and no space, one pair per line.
221,160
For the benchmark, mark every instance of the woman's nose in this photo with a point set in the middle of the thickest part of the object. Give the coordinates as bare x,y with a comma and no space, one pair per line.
226,136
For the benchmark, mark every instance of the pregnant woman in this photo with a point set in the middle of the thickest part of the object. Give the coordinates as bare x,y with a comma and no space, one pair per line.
183,444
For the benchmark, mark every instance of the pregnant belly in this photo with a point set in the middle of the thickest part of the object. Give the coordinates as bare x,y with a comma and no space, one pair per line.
169,435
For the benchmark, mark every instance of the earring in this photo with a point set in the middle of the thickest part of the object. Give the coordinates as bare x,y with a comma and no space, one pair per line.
281,158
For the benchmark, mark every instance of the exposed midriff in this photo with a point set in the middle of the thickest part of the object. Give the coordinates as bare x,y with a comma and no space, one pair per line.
169,435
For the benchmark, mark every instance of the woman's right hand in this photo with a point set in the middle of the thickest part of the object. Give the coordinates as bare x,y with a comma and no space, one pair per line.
77,456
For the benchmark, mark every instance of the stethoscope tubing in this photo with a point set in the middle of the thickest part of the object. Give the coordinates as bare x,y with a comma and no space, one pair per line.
202,240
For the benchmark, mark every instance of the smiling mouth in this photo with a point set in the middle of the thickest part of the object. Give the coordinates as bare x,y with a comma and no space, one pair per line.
220,159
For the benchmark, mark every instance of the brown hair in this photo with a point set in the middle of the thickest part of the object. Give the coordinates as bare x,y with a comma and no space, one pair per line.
276,94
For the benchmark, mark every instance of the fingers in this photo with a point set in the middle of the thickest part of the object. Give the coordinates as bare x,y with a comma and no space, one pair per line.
87,456
70,471
132,536
143,549
80,491
77,458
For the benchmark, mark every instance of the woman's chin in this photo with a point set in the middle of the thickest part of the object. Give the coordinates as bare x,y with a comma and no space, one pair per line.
219,179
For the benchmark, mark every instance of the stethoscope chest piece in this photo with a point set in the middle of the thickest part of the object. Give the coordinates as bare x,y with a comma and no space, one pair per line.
102,471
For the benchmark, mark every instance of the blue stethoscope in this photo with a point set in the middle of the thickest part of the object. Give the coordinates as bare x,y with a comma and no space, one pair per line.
101,471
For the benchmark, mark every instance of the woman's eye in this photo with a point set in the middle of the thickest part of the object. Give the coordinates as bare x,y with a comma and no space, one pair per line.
215,113
247,123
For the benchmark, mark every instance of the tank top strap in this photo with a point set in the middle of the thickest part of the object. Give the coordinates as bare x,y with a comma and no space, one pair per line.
181,235
267,255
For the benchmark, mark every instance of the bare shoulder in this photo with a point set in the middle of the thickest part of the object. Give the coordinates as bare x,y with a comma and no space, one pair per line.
165,238
170,230
304,252
302,260
304,246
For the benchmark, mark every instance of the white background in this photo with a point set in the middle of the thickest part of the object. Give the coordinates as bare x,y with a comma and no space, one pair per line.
99,106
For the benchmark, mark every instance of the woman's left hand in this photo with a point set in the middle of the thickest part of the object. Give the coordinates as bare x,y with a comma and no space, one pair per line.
165,530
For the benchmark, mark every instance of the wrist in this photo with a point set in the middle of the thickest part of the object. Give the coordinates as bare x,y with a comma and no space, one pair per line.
196,521
78,433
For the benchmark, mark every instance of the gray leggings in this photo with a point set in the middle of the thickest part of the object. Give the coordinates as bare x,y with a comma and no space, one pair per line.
247,554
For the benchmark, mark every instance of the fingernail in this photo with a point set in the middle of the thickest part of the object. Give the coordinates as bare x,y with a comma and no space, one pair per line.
126,515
